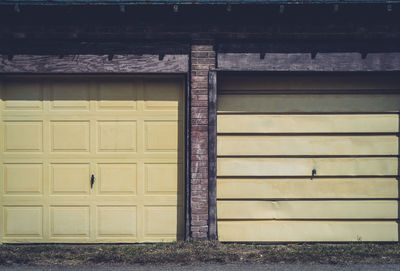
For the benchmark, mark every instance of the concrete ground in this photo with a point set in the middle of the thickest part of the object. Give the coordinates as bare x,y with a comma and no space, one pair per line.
227,267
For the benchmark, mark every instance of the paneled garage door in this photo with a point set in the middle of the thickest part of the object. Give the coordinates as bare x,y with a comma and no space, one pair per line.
91,159
311,157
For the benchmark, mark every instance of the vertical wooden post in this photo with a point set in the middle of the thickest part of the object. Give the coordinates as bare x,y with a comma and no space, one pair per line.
188,160
212,155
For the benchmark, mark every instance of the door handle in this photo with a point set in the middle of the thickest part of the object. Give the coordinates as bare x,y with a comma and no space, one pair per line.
92,181
313,173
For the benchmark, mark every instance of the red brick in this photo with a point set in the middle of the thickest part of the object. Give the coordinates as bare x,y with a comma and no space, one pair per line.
198,187
202,85
199,181
200,144
199,223
200,194
203,67
201,97
199,128
200,54
199,103
203,61
199,164
199,73
196,200
200,175
199,78
199,235
200,48
198,169
203,134
199,151
199,115
202,210
199,121
203,91
200,217
204,228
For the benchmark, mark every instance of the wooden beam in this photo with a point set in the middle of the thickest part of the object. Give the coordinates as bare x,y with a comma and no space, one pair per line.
335,62
50,64
309,45
212,155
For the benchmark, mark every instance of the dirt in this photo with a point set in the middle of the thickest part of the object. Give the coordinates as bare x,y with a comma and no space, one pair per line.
198,252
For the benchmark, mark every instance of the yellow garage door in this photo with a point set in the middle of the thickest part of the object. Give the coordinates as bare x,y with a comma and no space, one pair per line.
311,157
91,159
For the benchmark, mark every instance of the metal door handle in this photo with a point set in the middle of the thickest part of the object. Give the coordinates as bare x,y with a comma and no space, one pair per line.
313,173
92,181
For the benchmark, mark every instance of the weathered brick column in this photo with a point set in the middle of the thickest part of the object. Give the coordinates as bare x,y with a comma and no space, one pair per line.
202,60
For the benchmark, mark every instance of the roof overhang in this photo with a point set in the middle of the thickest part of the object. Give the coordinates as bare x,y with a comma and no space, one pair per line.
174,2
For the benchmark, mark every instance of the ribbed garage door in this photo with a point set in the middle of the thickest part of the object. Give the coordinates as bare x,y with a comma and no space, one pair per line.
91,159
310,157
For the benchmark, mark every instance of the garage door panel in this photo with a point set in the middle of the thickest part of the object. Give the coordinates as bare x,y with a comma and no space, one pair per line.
308,103
361,188
70,136
161,136
309,82
311,231
26,95
308,123
69,178
117,136
23,136
23,179
115,178
23,222
69,96
307,145
69,221
117,221
326,209
160,221
117,95
160,178
304,166
162,95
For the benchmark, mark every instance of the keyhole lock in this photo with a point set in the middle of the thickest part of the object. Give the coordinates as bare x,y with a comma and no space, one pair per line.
92,181
313,173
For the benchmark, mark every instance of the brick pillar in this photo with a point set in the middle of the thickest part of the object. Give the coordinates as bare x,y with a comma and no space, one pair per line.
202,60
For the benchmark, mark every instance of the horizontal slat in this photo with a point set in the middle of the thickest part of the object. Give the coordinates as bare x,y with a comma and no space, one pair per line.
303,166
306,231
308,123
344,209
309,82
366,188
307,145
292,103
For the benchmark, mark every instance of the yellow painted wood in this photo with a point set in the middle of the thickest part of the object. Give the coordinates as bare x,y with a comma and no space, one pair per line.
308,123
360,188
55,132
303,166
307,231
307,145
329,209
308,103
296,106
309,82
